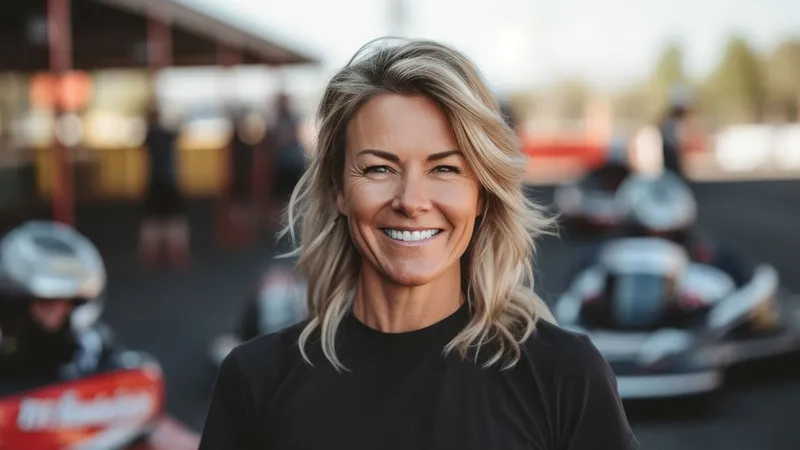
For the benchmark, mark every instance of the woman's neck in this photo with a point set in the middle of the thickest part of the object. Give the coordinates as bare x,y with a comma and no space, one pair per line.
391,308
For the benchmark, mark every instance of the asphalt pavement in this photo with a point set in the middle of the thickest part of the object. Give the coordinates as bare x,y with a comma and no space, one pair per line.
174,315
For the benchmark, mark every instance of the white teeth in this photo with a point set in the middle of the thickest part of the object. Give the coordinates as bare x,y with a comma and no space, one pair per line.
410,236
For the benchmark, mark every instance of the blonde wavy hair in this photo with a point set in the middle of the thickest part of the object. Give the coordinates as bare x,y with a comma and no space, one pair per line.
498,265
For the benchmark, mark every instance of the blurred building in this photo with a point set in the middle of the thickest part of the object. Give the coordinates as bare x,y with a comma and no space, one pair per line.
110,68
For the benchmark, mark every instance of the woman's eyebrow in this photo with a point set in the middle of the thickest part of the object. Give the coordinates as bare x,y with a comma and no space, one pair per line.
442,155
380,154
394,158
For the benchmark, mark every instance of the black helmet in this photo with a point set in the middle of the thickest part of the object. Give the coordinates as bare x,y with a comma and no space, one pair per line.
41,262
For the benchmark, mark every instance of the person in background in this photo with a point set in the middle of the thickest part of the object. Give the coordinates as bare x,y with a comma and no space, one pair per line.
673,128
51,284
165,225
417,243
241,153
282,141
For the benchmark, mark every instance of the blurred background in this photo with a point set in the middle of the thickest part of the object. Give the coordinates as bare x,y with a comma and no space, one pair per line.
150,123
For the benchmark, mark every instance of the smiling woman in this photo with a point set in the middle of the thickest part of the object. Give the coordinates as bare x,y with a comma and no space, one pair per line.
398,187
417,243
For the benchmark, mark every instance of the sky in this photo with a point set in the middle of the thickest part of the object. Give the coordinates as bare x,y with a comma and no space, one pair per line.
520,44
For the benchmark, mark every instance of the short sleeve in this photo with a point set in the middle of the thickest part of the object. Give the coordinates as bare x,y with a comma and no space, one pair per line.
230,419
591,415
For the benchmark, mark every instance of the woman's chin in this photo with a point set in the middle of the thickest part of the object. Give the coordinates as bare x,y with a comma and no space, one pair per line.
413,275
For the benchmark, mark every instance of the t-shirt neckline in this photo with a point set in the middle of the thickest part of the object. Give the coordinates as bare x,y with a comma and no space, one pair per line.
435,334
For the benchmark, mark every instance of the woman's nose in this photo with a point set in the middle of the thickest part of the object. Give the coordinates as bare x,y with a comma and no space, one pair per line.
412,198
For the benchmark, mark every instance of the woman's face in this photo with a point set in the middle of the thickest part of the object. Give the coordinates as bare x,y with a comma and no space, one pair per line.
410,198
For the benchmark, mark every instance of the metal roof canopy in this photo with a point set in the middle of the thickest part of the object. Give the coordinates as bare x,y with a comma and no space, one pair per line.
113,34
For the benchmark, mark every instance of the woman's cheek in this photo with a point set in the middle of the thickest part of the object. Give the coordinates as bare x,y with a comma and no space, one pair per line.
364,192
456,196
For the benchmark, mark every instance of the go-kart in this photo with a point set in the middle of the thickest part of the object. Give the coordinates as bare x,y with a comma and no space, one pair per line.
588,205
278,302
669,326
103,400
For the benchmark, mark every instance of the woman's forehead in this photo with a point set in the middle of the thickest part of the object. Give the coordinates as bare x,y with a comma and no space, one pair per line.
400,124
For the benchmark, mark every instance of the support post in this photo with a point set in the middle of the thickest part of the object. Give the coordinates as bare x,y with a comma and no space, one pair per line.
230,222
59,34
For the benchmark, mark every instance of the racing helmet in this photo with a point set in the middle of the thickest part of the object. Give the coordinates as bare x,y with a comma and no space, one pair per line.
43,262
657,206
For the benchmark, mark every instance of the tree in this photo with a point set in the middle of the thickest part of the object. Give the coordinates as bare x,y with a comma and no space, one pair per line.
669,69
783,78
736,90
668,72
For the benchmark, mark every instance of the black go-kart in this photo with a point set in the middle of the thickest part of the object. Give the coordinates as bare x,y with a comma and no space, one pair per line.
670,326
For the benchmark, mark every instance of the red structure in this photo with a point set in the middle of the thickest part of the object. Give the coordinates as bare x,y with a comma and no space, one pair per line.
60,42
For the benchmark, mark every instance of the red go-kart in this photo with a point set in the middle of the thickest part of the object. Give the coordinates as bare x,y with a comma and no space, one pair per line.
117,409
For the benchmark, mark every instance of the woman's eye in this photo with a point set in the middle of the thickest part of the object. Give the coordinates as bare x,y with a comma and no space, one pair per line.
447,169
377,169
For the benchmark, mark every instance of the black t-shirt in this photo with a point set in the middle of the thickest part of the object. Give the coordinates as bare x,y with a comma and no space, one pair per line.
160,143
400,393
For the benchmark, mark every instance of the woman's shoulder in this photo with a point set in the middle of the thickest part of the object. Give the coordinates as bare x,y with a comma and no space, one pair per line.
550,336
590,411
272,345
266,357
565,349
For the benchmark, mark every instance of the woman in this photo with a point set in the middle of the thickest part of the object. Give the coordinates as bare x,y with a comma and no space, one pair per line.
417,242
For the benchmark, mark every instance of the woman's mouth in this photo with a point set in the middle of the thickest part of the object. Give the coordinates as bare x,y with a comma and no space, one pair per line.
410,236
